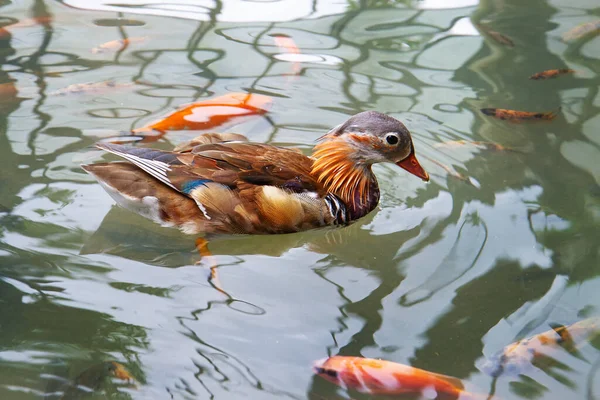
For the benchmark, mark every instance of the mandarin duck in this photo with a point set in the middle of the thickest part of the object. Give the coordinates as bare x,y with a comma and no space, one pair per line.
221,183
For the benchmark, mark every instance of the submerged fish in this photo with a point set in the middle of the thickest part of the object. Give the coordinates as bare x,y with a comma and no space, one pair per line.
551,73
287,46
498,37
5,30
518,357
514,115
285,43
481,145
118,44
90,87
373,376
93,377
29,22
207,114
581,30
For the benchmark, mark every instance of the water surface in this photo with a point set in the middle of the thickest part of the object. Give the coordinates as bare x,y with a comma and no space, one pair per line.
439,276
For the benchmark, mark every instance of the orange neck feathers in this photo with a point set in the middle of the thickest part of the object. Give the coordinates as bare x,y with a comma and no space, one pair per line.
338,170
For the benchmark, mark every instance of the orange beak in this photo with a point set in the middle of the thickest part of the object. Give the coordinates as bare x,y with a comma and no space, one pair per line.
411,164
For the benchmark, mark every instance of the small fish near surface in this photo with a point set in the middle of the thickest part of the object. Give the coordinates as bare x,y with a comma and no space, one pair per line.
581,31
287,45
481,145
515,116
119,44
380,377
520,356
497,36
93,378
29,22
551,73
207,114
6,30
90,87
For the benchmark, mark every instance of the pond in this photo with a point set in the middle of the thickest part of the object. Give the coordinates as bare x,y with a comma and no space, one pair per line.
500,245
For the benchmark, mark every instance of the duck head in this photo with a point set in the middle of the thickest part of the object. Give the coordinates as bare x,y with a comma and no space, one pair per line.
344,156
367,138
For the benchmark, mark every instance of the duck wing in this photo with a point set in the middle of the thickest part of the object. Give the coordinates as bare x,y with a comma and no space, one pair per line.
236,165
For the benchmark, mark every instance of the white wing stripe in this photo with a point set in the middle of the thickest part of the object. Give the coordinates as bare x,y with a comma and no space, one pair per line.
157,169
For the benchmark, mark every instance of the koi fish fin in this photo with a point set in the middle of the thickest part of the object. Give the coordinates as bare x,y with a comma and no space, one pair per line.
457,383
465,395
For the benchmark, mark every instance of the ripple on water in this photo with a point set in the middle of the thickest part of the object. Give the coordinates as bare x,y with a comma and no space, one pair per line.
309,58
118,22
118,112
451,108
461,48
259,35
245,307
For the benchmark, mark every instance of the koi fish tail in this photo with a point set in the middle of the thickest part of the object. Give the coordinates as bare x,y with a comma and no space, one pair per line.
553,114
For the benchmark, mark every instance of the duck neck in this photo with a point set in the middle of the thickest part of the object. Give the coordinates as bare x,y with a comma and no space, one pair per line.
340,173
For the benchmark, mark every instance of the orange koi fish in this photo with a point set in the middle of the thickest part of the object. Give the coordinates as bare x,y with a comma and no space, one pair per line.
93,377
373,376
25,23
210,113
497,36
518,357
551,73
119,44
90,87
513,115
287,45
581,30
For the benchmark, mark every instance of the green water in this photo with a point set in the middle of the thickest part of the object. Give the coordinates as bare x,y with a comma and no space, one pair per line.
439,276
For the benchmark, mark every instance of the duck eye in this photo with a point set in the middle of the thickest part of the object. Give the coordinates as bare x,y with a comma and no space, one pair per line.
392,139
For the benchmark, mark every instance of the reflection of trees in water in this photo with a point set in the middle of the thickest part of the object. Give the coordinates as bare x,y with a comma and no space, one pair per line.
216,366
